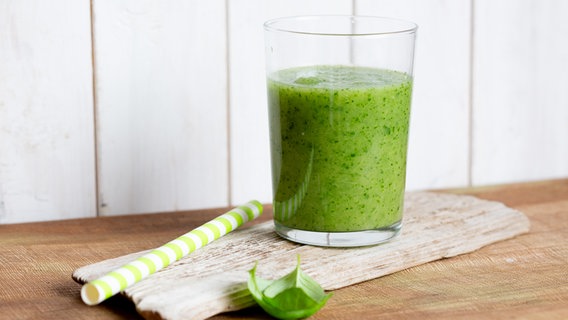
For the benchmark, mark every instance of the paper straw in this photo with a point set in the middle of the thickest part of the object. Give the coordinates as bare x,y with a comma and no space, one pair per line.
112,283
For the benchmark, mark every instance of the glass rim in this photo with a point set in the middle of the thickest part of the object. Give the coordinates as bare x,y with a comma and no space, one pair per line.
404,26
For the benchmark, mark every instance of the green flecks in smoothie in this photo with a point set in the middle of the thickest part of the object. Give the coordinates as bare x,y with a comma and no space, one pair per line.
339,139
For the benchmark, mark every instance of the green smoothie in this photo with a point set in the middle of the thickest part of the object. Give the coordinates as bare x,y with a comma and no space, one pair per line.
338,145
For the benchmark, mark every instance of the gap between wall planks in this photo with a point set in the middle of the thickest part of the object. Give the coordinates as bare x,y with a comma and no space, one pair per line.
98,203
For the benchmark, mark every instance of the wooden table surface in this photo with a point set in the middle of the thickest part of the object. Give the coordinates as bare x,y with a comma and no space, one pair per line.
525,277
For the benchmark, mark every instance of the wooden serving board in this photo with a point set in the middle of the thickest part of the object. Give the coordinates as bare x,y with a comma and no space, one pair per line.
213,279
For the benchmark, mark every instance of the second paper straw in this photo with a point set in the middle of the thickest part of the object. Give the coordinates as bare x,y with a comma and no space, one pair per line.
112,283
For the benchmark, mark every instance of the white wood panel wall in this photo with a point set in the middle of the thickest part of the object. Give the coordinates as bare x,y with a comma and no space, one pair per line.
47,163
177,118
161,102
520,90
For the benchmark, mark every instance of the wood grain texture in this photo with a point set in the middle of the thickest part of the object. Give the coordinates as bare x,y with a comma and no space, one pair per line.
213,279
520,106
46,111
440,101
161,105
524,277
249,143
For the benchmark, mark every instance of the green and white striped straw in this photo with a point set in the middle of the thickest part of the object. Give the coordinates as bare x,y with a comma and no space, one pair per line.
112,283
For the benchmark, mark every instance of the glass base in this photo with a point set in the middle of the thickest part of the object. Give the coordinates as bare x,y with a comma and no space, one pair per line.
339,239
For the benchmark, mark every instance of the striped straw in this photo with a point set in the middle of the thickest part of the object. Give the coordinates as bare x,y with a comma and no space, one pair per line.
112,283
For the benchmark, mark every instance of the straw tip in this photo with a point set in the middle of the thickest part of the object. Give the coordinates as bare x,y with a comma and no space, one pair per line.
91,294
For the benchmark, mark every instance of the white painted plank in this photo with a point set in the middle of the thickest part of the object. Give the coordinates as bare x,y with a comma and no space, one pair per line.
439,133
162,105
250,151
47,163
520,90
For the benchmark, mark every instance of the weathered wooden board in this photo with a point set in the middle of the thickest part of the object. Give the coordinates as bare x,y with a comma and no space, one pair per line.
213,279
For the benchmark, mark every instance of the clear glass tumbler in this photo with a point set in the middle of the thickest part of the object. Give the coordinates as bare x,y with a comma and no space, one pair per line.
339,94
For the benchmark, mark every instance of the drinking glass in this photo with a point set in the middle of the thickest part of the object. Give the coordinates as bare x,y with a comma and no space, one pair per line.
339,95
